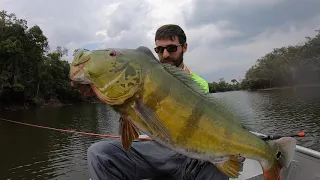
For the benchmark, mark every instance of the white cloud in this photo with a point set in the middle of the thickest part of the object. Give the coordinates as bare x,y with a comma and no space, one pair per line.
218,46
205,35
287,34
261,3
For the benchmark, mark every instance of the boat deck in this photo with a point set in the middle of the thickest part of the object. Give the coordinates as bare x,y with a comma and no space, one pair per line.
251,171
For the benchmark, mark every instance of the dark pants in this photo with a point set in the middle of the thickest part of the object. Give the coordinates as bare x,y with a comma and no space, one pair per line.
146,160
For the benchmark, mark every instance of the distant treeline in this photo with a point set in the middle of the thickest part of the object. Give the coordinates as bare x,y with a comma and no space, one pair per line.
297,65
222,86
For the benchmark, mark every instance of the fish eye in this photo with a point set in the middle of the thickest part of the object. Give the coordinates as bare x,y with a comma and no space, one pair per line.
113,53
278,155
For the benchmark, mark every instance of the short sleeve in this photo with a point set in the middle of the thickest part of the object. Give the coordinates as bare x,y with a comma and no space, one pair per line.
203,83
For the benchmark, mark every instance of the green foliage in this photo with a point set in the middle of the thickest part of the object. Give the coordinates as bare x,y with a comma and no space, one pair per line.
223,86
29,74
286,66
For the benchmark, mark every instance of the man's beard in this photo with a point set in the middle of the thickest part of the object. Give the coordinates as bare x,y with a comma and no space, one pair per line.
177,62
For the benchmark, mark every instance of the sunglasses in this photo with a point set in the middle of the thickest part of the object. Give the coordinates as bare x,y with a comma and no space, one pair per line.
170,48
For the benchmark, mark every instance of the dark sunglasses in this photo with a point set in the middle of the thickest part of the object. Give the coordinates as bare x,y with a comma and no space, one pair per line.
170,48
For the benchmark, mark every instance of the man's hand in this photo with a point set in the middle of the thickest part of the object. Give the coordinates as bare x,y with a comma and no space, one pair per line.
84,89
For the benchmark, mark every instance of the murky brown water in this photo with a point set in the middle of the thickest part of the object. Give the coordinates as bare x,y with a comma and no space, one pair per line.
35,153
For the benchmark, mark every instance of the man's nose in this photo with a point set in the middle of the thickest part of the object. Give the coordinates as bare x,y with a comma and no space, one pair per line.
165,54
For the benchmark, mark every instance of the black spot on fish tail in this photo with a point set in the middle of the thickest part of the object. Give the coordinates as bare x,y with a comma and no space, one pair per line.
192,123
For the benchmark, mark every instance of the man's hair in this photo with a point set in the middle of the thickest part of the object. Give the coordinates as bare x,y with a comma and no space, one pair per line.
171,32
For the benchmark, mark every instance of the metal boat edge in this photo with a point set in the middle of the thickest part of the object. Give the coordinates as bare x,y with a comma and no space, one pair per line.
299,148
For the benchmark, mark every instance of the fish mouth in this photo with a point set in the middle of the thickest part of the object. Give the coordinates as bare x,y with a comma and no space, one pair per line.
77,74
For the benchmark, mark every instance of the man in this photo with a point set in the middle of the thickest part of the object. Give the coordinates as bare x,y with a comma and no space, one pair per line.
171,44
148,159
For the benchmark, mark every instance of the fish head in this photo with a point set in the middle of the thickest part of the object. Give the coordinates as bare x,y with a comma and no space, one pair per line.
112,73
77,67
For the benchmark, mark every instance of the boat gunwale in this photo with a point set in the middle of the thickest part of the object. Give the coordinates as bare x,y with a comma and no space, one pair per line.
308,151
299,148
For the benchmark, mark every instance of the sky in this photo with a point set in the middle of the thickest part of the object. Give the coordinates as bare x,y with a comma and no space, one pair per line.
225,37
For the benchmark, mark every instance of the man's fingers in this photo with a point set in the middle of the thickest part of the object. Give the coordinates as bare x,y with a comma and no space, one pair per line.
84,89
74,84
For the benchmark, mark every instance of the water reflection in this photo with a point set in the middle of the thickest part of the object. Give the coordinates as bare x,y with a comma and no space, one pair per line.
108,120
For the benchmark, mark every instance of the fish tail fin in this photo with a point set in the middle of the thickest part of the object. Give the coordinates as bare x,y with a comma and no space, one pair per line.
283,150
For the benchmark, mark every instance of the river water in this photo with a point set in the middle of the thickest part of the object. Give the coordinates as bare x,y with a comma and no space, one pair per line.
35,153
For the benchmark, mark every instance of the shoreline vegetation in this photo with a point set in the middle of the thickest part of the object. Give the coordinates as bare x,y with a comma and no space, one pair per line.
32,75
292,87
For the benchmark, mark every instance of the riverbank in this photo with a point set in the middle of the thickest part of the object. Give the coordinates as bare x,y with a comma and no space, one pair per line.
290,87
50,104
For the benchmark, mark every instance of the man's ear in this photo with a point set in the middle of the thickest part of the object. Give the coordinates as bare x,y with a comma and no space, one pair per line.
185,47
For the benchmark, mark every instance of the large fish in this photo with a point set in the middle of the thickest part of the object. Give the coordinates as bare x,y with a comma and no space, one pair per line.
165,103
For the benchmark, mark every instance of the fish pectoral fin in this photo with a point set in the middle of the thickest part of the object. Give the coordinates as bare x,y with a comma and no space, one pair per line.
232,167
129,132
147,115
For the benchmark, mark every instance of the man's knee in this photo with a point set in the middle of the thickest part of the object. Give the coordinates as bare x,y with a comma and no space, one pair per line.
102,149
104,160
210,171
197,169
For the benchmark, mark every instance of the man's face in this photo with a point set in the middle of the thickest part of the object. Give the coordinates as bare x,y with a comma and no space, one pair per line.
172,55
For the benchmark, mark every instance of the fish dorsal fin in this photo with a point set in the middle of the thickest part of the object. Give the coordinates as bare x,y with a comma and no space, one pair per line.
185,77
213,102
146,51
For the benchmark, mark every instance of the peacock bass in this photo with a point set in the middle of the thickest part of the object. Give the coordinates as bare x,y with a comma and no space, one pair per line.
165,103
